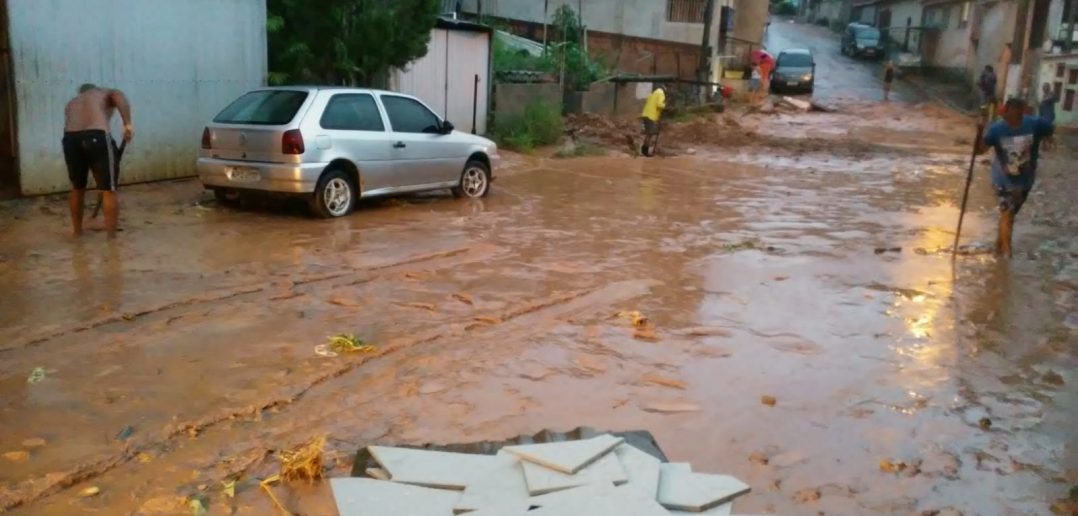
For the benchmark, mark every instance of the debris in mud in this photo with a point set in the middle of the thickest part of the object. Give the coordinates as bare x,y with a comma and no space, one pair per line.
881,250
125,433
34,442
646,333
704,331
419,306
305,462
888,466
797,104
464,298
985,423
1052,378
662,381
807,495
946,511
605,474
759,458
197,506
348,343
17,456
229,489
768,400
347,303
637,319
818,106
144,458
671,407
486,320
90,491
37,375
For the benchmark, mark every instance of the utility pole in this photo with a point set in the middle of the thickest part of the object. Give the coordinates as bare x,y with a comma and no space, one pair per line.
703,72
1069,44
546,20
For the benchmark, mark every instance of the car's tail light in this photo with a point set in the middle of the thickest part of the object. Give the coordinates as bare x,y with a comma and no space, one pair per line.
292,142
206,142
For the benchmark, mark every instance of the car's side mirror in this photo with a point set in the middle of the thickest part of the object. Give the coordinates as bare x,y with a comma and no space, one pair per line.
447,127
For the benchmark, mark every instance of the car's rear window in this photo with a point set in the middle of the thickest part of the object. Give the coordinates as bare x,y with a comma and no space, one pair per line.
266,107
796,60
868,34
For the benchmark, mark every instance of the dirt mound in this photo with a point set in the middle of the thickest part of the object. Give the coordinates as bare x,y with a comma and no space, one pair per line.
715,130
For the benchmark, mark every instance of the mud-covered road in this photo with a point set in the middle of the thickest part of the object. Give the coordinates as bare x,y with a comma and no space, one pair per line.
809,270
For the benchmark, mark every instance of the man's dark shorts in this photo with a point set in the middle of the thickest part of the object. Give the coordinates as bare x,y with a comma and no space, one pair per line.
1011,199
651,127
86,152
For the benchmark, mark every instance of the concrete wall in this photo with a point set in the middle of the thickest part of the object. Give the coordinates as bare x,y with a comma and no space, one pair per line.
510,99
906,13
178,62
750,20
996,29
640,18
1049,74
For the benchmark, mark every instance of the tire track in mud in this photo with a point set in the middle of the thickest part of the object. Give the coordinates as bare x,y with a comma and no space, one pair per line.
224,295
522,318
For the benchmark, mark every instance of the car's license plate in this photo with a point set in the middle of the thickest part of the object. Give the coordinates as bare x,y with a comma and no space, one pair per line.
245,175
791,83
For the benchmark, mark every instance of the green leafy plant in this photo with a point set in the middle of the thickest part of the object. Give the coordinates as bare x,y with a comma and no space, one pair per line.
539,124
346,42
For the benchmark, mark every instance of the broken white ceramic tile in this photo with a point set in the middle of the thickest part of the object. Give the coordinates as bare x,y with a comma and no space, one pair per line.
620,501
443,470
673,467
377,473
499,487
541,480
572,493
370,497
641,467
696,492
569,456
725,509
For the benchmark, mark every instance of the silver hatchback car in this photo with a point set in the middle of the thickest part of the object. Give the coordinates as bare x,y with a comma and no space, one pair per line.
336,145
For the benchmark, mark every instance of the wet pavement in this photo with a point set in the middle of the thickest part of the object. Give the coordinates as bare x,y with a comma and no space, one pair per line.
182,354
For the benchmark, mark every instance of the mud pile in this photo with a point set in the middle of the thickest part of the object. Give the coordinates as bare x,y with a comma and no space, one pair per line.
713,130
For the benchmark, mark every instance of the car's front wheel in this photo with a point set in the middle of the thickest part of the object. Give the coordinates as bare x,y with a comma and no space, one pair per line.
474,181
335,195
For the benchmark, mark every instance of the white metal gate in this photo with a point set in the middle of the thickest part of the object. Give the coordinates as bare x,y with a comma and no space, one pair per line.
446,78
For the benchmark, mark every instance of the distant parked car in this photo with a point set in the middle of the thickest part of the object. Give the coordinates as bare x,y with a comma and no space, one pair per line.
795,71
337,145
860,40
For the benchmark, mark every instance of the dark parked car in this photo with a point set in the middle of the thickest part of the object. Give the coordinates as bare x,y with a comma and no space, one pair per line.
795,70
862,40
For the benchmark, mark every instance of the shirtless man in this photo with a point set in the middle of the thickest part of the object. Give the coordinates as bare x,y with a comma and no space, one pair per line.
88,148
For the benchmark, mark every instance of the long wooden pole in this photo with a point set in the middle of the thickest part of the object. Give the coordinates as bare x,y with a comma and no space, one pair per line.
965,193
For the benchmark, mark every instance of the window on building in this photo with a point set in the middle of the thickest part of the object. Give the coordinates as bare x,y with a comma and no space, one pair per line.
1068,103
1060,70
938,16
352,112
1072,78
1057,88
685,11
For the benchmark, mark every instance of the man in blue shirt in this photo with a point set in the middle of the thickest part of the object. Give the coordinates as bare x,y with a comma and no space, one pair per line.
1016,139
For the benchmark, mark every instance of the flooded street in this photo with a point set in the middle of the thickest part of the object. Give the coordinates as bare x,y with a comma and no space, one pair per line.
812,267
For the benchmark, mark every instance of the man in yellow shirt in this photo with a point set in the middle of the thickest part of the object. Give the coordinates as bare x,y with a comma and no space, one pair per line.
653,110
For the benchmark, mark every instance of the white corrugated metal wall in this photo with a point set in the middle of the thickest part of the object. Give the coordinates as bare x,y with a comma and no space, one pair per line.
445,77
178,61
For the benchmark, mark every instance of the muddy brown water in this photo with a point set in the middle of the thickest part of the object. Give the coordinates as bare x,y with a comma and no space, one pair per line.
182,354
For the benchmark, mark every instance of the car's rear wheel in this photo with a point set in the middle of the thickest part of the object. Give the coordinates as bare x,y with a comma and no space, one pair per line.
335,195
474,181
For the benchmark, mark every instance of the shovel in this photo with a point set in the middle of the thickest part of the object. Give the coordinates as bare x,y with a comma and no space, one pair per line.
117,153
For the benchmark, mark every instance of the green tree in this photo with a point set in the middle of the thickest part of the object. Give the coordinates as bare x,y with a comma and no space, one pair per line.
345,42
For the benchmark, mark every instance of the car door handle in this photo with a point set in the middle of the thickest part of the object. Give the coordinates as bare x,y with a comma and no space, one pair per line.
399,145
